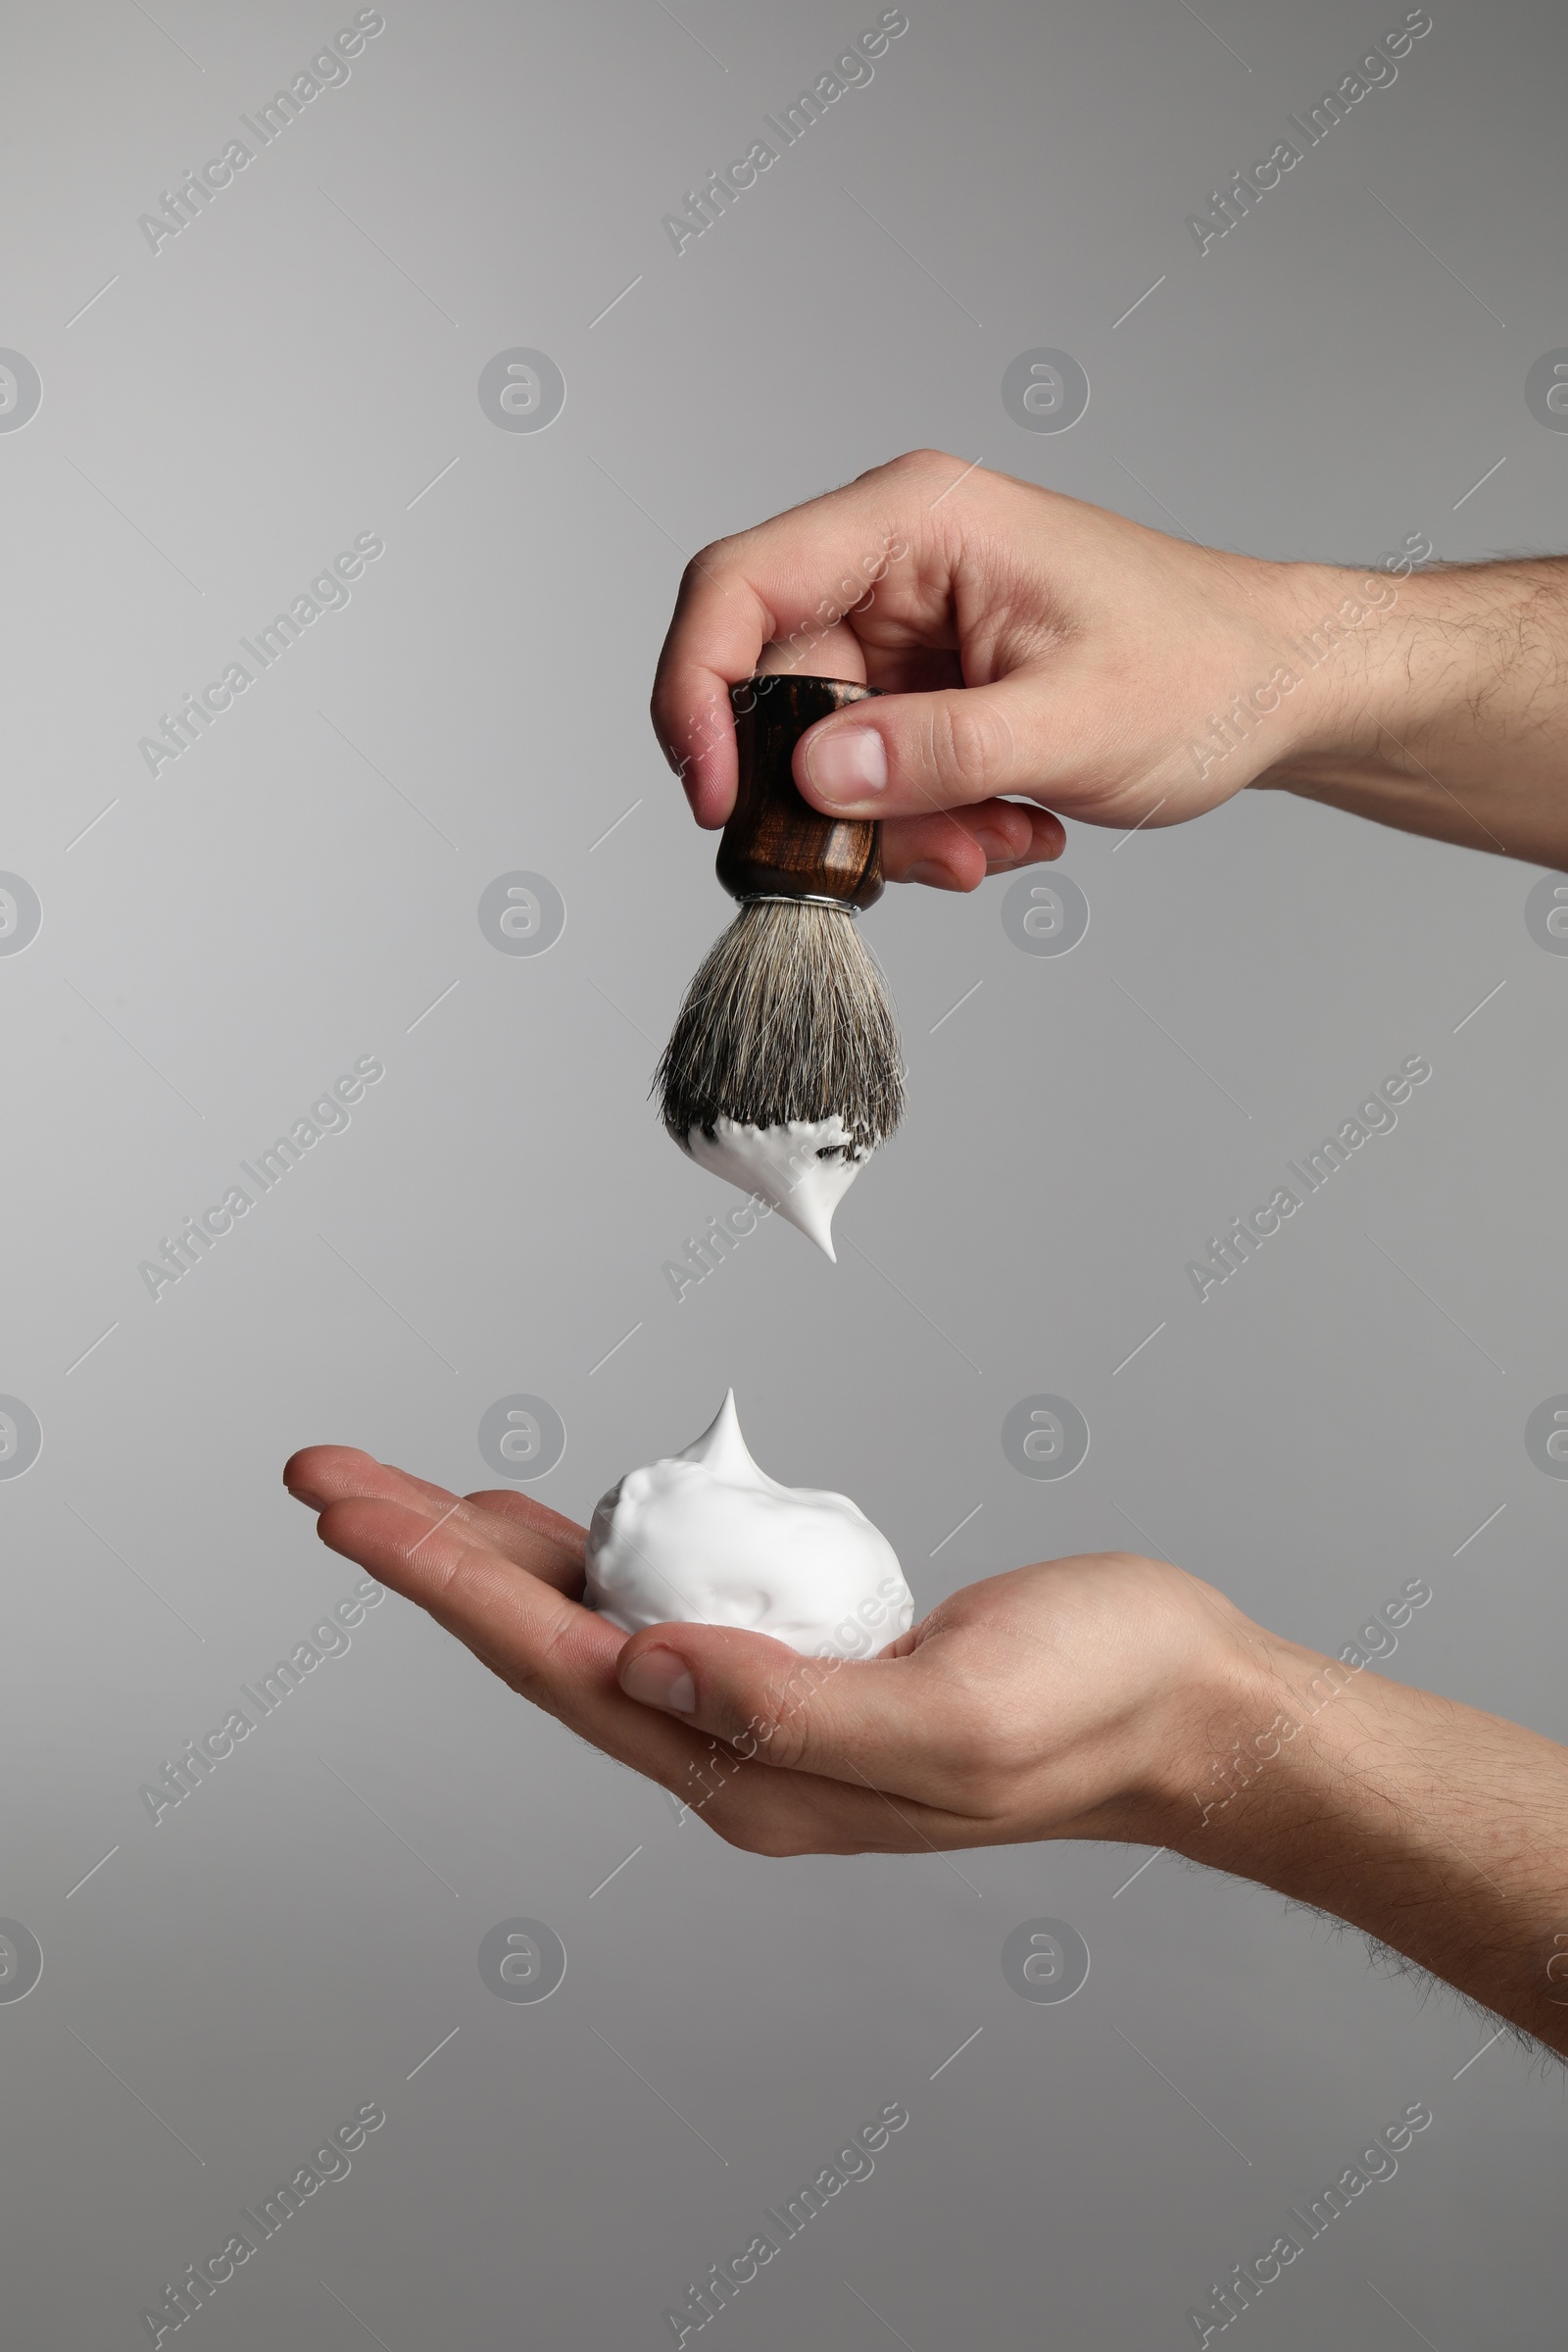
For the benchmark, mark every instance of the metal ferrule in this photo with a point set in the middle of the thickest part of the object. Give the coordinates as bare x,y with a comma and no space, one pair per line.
795,898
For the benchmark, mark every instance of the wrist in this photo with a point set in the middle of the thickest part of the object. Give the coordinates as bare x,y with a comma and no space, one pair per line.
1195,1742
1265,1730
1241,1741
1340,631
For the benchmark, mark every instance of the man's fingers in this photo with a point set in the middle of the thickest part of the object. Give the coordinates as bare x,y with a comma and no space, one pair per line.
957,851
563,1658
529,1532
526,1532
837,653
1048,838
799,585
546,1648
321,1474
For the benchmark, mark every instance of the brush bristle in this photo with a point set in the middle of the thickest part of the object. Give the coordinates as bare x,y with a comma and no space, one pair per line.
788,1018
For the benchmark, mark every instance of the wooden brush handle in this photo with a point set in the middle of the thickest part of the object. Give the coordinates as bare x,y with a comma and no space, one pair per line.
776,844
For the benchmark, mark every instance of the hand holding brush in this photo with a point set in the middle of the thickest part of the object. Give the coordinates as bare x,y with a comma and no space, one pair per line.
1034,654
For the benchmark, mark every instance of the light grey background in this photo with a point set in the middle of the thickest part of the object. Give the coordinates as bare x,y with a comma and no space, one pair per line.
301,888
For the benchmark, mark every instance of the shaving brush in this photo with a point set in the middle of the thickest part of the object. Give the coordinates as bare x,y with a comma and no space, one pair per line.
788,1020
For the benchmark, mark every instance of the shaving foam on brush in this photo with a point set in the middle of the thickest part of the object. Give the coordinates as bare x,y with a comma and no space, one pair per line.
783,1072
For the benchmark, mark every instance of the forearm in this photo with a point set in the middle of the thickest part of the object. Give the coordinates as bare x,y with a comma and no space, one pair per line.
1445,711
1439,1830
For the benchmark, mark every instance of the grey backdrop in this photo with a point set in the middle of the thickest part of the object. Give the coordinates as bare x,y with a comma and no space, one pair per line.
220,939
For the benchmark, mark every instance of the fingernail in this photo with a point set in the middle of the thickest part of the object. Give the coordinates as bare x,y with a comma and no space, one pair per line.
927,871
848,764
658,1677
996,844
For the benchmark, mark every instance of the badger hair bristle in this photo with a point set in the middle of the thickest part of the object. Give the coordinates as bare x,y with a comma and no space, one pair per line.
789,1017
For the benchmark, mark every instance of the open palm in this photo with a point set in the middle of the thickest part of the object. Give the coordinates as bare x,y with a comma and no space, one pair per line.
1057,1700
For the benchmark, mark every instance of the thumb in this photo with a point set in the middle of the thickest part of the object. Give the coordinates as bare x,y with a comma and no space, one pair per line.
902,754
859,1720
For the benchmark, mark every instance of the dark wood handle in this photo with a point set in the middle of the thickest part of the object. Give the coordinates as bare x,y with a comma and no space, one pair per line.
775,843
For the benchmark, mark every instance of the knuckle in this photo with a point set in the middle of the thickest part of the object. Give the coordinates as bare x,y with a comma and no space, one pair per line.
447,1572
704,564
972,738
920,461
776,1734
780,1729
